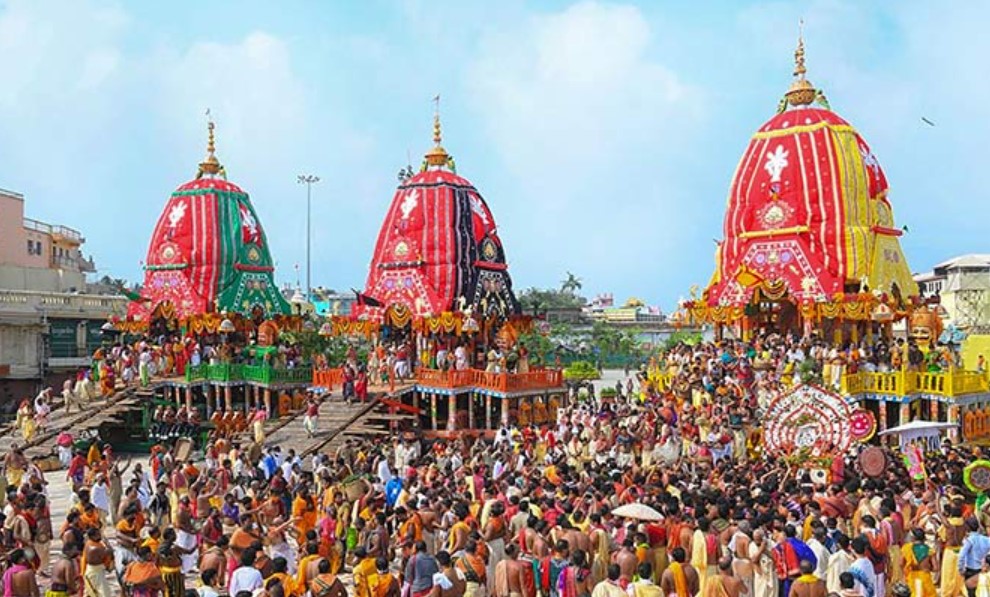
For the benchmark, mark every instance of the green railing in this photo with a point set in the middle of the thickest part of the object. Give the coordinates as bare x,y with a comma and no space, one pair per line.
262,374
196,372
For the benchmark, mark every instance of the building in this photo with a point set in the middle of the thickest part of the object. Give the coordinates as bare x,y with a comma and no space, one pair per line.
963,287
328,302
39,256
49,324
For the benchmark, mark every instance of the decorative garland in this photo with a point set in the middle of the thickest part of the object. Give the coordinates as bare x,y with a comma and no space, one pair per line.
854,307
398,315
342,326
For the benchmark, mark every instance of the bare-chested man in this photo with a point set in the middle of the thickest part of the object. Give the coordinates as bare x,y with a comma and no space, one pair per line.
679,579
540,547
186,533
739,545
575,538
65,572
15,463
309,566
510,579
457,583
627,561
215,559
806,585
724,584
205,490
99,562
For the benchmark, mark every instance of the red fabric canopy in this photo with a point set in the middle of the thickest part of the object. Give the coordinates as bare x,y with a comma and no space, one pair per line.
438,250
807,213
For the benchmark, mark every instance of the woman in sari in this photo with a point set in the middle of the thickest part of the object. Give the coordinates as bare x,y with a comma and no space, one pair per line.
258,423
26,422
108,379
918,565
142,577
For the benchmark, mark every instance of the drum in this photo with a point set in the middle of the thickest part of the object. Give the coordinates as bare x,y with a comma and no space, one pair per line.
873,461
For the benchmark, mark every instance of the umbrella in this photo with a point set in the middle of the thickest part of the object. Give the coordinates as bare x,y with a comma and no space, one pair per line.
637,512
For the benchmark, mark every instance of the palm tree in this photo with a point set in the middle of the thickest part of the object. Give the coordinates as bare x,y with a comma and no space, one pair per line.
571,284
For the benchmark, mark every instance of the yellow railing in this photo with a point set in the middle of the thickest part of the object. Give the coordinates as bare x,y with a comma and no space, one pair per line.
899,383
950,383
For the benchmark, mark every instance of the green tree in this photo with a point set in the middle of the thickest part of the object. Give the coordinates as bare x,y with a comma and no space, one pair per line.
536,301
681,337
571,284
545,346
615,341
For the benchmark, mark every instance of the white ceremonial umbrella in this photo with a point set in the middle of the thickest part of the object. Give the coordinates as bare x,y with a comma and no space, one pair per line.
637,512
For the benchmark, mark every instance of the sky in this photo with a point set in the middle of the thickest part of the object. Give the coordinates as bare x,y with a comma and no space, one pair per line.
603,135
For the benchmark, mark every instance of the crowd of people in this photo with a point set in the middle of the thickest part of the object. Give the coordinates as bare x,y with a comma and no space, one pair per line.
168,356
532,511
776,360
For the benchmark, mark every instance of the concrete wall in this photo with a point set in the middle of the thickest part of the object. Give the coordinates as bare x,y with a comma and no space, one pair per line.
40,279
19,349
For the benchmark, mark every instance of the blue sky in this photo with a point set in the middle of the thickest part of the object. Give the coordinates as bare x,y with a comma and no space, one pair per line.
602,135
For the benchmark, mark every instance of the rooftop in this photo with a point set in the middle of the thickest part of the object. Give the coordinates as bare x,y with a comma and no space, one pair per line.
54,230
13,194
968,260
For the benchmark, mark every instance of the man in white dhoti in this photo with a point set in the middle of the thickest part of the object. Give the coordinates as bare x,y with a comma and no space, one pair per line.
185,534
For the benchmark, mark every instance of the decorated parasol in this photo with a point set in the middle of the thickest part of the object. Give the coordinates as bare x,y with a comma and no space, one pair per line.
637,512
976,476
862,425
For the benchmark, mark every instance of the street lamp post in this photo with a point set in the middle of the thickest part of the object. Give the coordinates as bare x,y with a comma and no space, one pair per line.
309,180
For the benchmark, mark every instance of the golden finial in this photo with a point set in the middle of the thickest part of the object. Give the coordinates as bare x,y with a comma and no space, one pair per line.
437,137
210,165
437,155
799,68
802,92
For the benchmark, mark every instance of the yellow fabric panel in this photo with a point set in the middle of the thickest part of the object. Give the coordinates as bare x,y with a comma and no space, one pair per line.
804,128
857,211
889,265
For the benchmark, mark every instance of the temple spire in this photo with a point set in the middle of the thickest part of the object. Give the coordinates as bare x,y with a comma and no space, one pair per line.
802,92
210,165
437,155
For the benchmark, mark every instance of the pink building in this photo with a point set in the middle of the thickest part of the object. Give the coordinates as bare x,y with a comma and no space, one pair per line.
49,325
38,256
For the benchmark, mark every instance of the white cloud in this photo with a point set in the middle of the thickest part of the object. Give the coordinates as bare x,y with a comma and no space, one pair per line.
44,48
588,124
249,86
